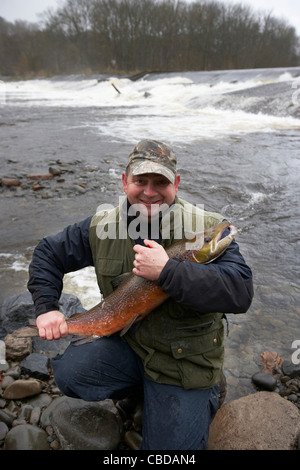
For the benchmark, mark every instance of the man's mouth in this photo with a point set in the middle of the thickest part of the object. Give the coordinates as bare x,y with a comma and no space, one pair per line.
151,203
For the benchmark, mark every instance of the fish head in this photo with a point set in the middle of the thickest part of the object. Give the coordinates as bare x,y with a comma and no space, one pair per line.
209,245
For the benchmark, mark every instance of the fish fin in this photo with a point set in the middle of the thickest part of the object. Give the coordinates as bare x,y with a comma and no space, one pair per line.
32,322
117,281
127,327
78,340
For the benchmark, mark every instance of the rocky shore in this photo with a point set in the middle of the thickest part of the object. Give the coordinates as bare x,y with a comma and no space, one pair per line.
59,180
34,415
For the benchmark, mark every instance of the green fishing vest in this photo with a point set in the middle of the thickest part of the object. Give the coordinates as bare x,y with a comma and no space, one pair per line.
178,346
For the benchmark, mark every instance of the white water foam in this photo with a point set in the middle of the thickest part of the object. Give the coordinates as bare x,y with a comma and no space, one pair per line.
165,91
14,262
82,283
172,105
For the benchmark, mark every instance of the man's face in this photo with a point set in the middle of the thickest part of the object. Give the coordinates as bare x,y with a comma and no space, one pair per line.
150,189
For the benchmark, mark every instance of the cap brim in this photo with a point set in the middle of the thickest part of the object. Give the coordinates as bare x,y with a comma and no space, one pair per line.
151,167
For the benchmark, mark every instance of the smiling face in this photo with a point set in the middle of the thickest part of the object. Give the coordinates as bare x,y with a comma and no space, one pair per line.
150,189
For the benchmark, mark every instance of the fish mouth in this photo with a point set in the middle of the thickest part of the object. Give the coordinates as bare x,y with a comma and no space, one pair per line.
226,225
231,235
218,242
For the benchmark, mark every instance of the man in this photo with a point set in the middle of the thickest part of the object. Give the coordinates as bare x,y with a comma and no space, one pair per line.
176,352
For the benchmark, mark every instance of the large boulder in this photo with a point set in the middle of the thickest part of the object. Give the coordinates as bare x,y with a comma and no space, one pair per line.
260,421
26,437
82,425
16,311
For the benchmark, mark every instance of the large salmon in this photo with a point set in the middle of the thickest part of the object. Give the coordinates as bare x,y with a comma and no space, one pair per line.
136,297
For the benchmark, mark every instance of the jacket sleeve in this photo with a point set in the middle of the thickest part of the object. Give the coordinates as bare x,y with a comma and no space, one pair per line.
53,257
224,285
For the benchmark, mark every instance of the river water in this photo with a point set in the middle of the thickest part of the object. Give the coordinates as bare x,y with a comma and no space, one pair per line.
236,135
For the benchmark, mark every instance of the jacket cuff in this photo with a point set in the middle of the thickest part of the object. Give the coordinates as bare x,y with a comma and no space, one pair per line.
45,307
171,264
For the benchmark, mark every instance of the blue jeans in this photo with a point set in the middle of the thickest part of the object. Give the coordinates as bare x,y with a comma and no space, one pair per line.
173,419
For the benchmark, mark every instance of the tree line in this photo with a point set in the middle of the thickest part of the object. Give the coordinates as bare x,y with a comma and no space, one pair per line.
128,36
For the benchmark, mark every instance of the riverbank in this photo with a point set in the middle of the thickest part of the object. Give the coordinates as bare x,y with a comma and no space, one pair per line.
35,415
237,143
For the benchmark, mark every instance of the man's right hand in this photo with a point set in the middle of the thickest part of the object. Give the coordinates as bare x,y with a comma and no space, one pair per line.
52,325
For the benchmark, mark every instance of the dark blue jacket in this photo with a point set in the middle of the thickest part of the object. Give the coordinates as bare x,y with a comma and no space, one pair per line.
224,285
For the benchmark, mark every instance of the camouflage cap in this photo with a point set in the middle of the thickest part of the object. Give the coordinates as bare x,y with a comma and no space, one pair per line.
150,156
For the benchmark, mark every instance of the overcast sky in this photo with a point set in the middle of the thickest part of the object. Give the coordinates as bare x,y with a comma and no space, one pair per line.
28,10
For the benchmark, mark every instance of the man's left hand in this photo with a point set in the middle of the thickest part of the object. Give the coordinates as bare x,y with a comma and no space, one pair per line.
149,260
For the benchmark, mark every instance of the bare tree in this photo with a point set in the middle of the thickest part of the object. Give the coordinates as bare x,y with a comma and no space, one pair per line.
100,36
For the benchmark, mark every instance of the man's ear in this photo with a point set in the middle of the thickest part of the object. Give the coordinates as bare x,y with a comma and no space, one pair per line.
124,182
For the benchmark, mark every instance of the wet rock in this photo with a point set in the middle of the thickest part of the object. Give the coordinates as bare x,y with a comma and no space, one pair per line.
6,381
26,437
18,421
79,188
42,177
25,412
47,195
41,401
13,371
22,388
55,445
3,430
35,415
17,311
54,171
36,365
17,348
264,381
10,182
293,397
133,439
261,421
48,412
36,186
290,369
7,417
71,420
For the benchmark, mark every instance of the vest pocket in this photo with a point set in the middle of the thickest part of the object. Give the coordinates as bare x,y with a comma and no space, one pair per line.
199,359
194,346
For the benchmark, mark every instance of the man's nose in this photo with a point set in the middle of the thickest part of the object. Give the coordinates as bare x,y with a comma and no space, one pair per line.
149,189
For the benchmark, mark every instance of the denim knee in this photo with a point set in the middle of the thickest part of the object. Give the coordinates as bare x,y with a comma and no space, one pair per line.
98,370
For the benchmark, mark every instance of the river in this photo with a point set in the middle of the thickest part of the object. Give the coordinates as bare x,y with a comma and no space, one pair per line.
236,135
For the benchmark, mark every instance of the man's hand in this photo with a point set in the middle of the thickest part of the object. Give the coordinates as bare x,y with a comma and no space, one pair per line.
149,260
52,325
